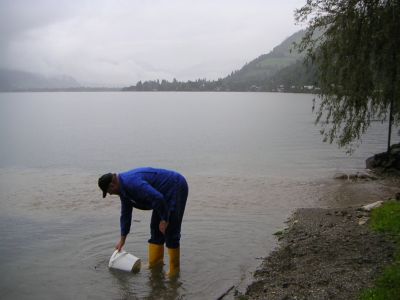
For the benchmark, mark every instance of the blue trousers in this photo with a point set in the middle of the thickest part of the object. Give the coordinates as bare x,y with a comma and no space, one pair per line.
177,199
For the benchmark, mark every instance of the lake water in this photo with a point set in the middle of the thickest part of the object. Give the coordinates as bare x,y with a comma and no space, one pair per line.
250,159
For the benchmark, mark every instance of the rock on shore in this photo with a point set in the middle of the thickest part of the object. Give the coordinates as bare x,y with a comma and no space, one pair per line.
386,162
324,254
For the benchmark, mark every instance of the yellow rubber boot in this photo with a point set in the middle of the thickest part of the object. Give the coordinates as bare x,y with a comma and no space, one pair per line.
156,255
174,261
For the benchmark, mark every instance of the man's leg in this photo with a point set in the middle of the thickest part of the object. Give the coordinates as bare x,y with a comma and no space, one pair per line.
156,242
173,232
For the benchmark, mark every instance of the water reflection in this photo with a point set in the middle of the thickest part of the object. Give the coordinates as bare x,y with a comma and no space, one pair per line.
123,284
158,285
162,287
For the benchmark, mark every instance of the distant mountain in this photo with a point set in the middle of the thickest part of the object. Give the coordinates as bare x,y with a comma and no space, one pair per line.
13,80
258,71
280,70
297,77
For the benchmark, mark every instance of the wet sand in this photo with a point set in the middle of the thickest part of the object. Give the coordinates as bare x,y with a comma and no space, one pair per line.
325,253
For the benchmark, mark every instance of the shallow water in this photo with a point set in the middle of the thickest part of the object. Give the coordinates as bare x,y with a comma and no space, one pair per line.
249,159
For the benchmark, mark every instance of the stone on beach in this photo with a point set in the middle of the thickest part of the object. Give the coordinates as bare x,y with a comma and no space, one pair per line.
371,206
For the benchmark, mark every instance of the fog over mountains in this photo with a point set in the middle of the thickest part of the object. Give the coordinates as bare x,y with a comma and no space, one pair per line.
14,80
281,69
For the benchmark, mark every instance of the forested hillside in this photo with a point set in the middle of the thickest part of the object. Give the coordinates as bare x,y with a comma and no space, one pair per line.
282,69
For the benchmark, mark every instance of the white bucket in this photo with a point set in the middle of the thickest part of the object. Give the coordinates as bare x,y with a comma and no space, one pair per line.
124,261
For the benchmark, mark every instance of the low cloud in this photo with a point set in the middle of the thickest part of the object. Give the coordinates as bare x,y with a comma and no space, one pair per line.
120,42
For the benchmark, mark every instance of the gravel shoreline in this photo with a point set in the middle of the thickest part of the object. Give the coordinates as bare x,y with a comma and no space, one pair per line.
323,254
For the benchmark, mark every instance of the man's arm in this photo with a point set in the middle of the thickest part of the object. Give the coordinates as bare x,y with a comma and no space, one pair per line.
125,222
121,243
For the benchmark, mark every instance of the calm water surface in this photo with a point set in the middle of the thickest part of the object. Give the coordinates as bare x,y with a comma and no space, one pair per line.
250,160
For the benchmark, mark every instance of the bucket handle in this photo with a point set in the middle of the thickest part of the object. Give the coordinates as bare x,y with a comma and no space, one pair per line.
117,254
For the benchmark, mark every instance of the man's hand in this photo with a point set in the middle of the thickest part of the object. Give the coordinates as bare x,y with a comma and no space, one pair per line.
163,226
121,243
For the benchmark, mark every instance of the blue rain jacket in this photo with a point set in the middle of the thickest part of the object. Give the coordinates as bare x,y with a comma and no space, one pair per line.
146,189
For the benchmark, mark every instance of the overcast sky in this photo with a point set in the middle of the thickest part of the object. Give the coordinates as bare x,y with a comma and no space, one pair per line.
118,42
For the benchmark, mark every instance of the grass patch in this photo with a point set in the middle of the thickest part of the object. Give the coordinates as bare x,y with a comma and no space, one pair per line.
386,219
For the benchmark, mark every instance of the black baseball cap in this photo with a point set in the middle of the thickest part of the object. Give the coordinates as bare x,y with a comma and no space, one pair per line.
104,182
